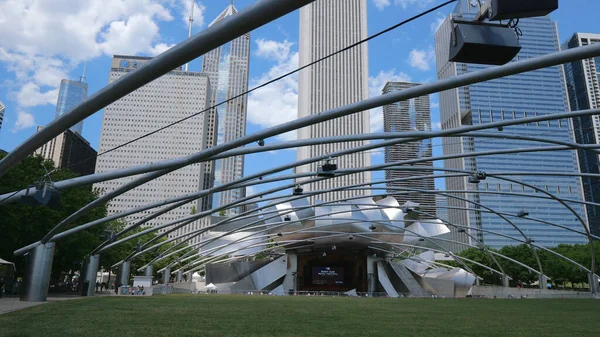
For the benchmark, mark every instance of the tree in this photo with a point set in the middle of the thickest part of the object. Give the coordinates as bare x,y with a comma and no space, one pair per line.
483,257
21,225
519,274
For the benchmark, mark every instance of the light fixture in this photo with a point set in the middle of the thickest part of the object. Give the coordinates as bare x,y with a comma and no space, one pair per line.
279,234
287,217
482,43
327,169
372,227
333,248
522,213
421,239
461,230
261,142
324,254
350,237
519,9
298,190
45,194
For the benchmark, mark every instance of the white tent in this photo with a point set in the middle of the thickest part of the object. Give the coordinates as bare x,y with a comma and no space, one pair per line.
211,286
6,262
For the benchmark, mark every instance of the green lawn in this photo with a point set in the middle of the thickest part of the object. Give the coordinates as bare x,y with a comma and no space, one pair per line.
222,315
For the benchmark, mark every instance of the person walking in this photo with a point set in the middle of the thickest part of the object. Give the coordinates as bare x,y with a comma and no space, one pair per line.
2,286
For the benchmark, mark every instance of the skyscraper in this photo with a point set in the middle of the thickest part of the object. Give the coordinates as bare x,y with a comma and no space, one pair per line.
70,94
411,115
2,109
227,68
70,150
161,102
326,27
583,87
534,93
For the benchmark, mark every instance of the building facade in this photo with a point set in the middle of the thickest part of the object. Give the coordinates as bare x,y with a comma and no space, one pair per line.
161,102
534,93
583,87
326,27
70,150
227,68
70,94
411,115
2,109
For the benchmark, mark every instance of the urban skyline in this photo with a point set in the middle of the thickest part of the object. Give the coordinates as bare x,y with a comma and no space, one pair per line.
339,80
512,97
244,124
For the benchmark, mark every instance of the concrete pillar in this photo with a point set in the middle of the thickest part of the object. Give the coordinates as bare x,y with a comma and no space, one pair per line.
149,270
37,273
180,275
371,278
543,282
505,280
189,275
593,281
124,273
91,273
289,282
166,275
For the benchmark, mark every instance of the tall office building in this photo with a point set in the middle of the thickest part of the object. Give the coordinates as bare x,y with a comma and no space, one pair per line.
583,87
70,94
70,150
227,68
441,203
534,93
170,98
326,27
2,109
411,115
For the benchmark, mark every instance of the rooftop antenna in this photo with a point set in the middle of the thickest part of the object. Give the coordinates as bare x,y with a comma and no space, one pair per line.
191,20
82,78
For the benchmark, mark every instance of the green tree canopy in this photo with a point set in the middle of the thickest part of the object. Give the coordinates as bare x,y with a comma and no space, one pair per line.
21,225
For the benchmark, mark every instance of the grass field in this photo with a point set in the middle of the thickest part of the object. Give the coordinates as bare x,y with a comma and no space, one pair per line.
222,315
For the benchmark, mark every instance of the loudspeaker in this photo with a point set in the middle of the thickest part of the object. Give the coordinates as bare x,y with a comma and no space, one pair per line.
518,9
483,43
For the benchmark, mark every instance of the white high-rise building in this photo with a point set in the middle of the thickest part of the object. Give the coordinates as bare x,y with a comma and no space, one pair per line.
227,68
326,27
163,101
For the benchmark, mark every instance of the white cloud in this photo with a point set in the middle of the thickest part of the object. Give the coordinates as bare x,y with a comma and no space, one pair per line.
435,105
273,50
437,23
41,41
31,95
420,59
436,126
199,10
376,85
160,48
381,4
406,3
24,120
276,103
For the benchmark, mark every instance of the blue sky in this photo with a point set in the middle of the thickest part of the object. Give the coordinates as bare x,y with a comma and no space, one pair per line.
42,41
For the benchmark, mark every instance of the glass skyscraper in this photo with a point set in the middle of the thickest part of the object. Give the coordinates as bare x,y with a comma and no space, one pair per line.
410,115
583,86
227,69
535,93
70,94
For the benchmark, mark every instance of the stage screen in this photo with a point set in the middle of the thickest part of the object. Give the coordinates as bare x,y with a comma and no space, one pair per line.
332,276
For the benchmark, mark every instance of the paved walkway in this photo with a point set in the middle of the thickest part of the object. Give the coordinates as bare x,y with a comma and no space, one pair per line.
9,304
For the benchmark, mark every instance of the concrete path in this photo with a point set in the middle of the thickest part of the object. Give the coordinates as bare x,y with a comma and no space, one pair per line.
10,304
